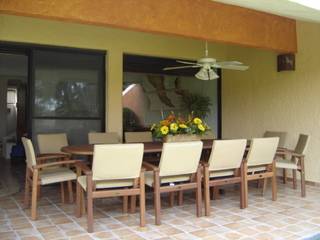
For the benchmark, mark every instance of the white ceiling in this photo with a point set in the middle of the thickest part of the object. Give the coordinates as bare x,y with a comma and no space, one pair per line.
284,8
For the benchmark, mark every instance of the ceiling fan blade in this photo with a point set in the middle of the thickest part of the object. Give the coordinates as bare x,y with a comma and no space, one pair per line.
185,62
232,67
230,63
181,67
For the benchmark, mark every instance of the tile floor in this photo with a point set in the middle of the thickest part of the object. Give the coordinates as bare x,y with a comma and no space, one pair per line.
290,217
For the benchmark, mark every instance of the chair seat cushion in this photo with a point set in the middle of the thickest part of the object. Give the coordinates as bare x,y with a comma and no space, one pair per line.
221,173
256,169
284,163
167,179
82,180
55,175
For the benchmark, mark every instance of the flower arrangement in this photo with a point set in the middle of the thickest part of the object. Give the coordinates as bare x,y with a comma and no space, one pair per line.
173,125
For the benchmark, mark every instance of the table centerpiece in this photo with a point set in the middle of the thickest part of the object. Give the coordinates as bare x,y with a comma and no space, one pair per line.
179,129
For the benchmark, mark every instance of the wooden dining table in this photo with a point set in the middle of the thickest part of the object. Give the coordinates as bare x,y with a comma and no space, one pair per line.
149,147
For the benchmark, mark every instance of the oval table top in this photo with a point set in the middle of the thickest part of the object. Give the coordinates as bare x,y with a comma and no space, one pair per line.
149,147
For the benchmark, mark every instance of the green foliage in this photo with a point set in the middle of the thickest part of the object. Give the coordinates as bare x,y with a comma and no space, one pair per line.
198,104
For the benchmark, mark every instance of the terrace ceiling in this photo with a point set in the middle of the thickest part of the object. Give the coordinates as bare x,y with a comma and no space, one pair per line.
199,19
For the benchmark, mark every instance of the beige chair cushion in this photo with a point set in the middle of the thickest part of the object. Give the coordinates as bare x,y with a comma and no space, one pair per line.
29,150
282,136
138,137
103,138
256,169
61,174
302,144
107,183
262,151
284,163
52,143
223,173
171,179
117,161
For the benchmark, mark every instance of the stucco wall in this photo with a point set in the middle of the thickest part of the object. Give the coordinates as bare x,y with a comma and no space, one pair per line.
263,99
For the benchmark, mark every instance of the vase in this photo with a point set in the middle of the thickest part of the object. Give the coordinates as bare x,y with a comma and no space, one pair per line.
181,138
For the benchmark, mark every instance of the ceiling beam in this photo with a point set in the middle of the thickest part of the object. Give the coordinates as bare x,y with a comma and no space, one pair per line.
200,19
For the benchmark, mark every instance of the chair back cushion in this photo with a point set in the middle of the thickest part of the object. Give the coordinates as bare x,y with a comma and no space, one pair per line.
138,137
52,143
29,150
103,138
262,151
227,154
178,158
302,144
117,161
282,136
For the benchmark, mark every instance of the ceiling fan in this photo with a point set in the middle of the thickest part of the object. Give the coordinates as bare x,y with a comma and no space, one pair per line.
207,66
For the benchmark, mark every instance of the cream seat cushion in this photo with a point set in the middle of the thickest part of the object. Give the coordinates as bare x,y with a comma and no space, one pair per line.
167,179
256,169
106,183
284,163
222,173
53,175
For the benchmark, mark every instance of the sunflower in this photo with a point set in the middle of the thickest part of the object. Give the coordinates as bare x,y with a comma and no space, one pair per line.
164,130
174,127
197,121
201,127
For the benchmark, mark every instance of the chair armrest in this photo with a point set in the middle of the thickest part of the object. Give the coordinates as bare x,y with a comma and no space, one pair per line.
149,166
57,155
48,157
55,164
298,155
82,167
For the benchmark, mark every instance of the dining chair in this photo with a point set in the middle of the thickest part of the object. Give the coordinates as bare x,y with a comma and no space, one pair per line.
178,170
138,137
51,144
116,171
224,168
103,138
281,135
260,164
295,162
39,173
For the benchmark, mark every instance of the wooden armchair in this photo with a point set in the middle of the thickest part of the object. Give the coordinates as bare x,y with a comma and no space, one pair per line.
116,171
178,165
223,168
39,173
260,164
295,162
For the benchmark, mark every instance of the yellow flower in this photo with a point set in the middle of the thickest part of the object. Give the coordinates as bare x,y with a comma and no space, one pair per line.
183,126
201,127
173,127
164,130
197,121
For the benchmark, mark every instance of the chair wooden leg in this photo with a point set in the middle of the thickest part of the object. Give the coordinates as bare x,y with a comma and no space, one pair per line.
171,199
27,189
284,176
133,199
78,200
180,198
199,193
265,184
245,184
303,181
62,192
89,204
211,193
242,196
39,192
157,198
274,182
125,204
34,197
206,191
216,194
142,200
83,202
70,190
294,178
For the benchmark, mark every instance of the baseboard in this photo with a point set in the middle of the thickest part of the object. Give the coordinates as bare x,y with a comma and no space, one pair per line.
309,183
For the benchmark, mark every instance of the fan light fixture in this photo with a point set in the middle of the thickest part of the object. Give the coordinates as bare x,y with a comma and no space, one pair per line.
206,74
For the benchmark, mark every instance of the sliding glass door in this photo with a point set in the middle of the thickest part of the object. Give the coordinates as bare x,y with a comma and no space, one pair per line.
68,93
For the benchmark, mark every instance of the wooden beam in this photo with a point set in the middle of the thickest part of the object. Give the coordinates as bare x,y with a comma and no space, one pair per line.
200,19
